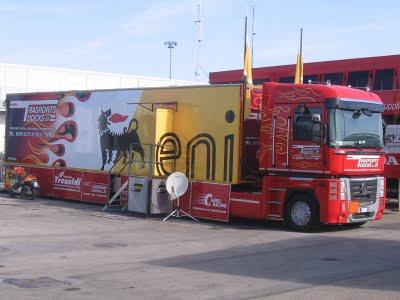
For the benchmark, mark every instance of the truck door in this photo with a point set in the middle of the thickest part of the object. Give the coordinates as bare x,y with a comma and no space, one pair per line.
304,154
281,124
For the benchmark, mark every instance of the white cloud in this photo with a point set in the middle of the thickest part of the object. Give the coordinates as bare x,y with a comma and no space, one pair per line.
156,16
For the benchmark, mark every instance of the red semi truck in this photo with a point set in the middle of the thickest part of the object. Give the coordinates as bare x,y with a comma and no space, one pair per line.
381,74
307,154
321,157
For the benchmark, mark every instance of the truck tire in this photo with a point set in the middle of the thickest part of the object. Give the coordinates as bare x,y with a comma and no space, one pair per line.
302,213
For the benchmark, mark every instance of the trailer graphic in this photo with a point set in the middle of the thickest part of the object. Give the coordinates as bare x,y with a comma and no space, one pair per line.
197,128
110,141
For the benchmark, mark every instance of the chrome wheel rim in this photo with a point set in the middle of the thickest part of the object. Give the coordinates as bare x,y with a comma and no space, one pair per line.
301,213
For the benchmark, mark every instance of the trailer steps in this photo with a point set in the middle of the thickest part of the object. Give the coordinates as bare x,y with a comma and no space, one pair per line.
116,196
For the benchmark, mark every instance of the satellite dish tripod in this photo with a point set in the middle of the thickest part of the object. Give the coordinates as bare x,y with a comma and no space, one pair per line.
178,212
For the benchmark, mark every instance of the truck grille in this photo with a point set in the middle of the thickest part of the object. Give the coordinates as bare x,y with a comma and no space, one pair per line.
364,190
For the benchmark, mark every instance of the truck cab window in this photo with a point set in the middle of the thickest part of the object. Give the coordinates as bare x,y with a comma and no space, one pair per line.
303,122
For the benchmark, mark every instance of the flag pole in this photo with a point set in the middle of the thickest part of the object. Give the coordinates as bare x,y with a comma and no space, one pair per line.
298,77
301,43
247,74
301,56
253,6
244,51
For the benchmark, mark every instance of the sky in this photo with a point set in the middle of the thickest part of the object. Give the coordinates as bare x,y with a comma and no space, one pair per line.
127,36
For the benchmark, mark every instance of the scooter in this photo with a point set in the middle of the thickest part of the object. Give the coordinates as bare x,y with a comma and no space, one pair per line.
27,187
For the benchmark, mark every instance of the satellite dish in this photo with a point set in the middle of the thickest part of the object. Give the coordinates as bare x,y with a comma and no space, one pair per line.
177,185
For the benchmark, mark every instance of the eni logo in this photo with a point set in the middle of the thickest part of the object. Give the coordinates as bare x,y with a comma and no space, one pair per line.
202,145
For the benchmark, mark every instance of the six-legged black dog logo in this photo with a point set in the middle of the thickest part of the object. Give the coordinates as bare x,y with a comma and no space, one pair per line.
110,141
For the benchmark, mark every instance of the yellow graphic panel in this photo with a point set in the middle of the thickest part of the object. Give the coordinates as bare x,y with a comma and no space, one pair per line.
194,130
164,153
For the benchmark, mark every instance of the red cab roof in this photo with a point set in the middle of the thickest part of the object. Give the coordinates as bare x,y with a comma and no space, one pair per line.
289,92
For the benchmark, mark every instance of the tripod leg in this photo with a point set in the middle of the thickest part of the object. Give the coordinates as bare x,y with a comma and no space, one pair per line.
170,215
186,214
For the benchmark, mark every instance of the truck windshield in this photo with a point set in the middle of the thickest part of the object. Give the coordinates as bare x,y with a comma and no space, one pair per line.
359,128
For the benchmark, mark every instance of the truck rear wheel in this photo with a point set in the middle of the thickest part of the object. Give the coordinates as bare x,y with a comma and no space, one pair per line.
302,213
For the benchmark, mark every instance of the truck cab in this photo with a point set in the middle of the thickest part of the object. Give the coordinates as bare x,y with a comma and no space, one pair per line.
321,155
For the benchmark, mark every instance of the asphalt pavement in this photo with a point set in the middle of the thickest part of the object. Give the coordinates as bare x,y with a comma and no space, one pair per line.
52,249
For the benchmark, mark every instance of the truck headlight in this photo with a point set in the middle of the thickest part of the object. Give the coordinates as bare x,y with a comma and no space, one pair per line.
381,187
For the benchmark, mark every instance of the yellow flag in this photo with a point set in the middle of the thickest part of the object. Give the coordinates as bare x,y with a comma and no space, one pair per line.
298,76
247,74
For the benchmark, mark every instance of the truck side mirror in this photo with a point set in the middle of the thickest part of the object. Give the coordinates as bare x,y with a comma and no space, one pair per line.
316,128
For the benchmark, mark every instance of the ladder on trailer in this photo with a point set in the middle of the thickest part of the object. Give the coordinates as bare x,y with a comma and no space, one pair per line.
116,200
117,196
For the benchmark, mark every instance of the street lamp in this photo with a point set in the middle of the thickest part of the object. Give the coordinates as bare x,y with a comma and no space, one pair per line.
171,45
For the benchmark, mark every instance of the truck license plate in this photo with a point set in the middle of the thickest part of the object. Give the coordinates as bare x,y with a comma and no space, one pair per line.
364,209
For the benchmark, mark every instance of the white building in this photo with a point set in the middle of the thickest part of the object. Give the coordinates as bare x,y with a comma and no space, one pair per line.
23,78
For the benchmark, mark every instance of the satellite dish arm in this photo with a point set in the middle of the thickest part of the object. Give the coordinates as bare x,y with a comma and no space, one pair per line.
173,194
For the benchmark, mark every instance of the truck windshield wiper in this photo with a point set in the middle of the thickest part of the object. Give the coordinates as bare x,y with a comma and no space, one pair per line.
366,112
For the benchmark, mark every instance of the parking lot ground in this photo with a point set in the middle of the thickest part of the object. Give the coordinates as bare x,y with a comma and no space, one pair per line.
64,250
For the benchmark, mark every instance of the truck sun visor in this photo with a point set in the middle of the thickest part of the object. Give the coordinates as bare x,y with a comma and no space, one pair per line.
354,104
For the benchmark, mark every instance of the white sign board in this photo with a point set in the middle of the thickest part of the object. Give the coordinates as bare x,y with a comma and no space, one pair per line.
392,138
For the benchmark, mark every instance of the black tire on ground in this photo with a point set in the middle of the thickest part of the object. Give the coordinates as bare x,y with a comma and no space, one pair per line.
302,213
11,193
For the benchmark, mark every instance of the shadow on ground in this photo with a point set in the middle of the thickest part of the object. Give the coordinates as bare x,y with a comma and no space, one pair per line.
315,260
234,223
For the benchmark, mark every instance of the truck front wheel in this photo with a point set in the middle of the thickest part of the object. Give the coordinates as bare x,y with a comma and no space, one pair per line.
302,213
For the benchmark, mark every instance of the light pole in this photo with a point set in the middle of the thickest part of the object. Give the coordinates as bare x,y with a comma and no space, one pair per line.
171,45
253,20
